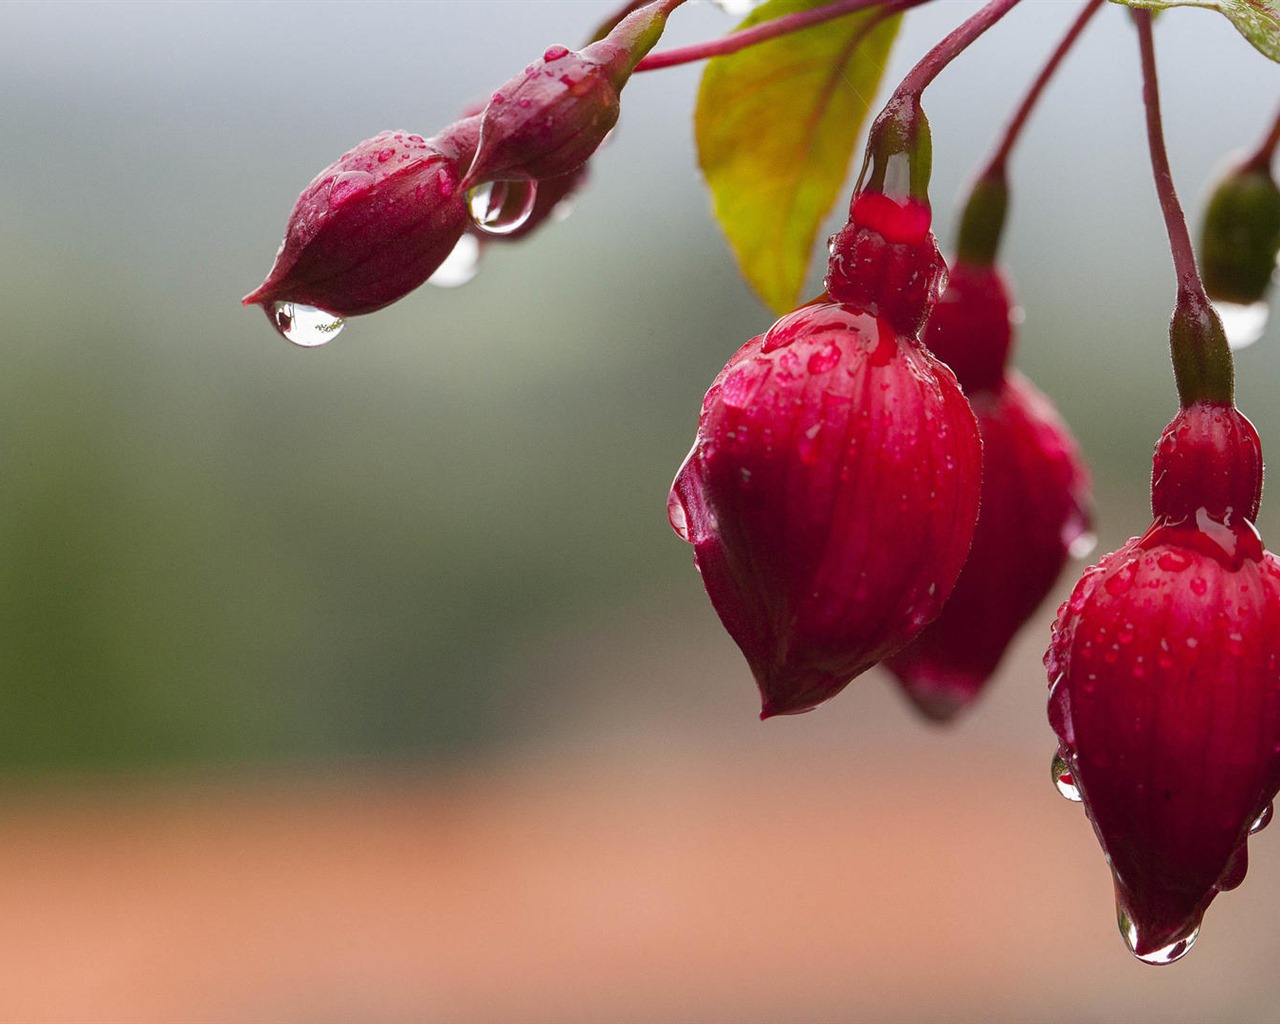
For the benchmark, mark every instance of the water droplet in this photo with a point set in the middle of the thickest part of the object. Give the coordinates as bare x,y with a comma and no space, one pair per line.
1263,819
825,358
1083,545
305,325
1173,561
553,53
347,186
1199,586
677,516
1175,950
1062,778
1244,324
741,386
501,207
460,266
1120,582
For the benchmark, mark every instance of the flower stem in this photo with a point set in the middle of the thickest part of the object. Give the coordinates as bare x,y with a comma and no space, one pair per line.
763,32
928,67
996,166
982,222
1266,151
899,150
1202,364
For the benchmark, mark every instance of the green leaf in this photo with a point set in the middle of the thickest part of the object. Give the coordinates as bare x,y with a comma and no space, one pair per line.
1257,20
775,127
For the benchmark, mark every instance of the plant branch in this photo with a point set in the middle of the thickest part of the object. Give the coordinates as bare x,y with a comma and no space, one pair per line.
763,32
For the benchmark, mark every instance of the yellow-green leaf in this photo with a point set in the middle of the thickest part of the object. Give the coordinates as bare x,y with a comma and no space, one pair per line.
1257,20
775,125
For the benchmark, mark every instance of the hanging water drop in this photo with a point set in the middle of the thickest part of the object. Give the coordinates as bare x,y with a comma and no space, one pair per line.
1167,954
460,266
501,207
305,325
1263,819
1244,324
1062,778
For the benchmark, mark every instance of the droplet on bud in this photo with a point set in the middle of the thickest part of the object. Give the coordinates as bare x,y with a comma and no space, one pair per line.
1062,779
460,266
1175,950
305,325
1263,819
501,207
1243,324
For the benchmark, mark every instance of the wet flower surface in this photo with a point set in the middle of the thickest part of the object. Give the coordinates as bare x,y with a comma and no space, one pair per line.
1165,685
373,225
830,498
1035,501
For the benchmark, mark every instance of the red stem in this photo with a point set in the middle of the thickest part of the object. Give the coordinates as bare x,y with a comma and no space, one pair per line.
761,33
1265,153
919,77
1184,259
1202,364
996,166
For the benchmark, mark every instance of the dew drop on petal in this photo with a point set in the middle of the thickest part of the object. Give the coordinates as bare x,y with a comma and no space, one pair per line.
347,186
1175,950
1244,324
1062,779
825,358
501,207
460,266
305,325
1263,819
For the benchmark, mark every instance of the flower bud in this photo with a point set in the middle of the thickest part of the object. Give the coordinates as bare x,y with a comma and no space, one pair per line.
830,497
1164,670
1035,501
547,120
1240,236
374,225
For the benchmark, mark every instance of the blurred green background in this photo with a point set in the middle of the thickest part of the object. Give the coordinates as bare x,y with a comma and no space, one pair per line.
442,537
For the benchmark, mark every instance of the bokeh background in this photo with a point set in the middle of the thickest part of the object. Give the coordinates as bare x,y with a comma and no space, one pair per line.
369,682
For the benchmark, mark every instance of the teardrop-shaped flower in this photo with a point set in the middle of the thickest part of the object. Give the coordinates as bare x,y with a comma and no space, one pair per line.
1165,685
830,498
1035,500
375,224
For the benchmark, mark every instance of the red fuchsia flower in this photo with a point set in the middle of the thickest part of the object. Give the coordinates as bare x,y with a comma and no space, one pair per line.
1035,500
546,121
374,225
1165,685
832,490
